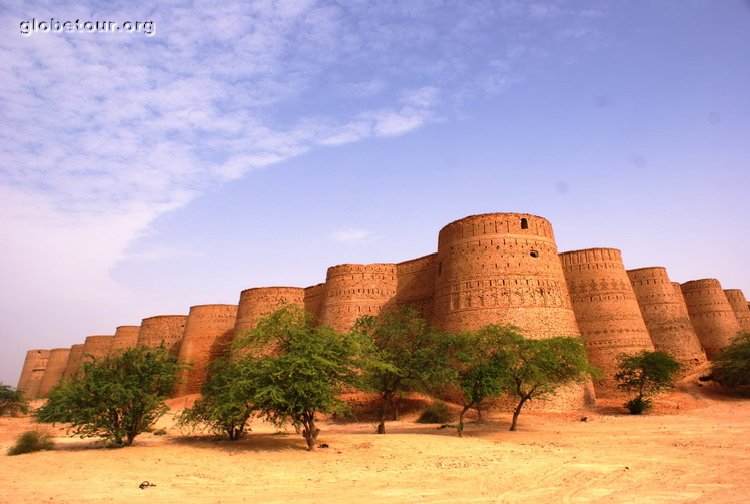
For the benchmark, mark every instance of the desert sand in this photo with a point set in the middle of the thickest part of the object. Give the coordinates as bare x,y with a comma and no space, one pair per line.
694,447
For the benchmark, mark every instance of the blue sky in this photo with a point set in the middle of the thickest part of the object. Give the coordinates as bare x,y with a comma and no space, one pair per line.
249,144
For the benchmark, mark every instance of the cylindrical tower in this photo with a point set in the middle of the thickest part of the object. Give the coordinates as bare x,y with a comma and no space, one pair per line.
254,303
74,361
314,296
739,304
97,347
53,373
208,332
666,317
501,268
354,290
711,314
32,373
167,329
606,309
125,337
416,284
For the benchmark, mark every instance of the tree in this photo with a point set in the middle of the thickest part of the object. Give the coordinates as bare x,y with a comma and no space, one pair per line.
404,355
305,373
645,374
480,366
732,366
534,369
12,401
224,405
116,398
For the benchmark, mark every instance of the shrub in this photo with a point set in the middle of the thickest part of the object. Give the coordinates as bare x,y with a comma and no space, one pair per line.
645,374
116,398
12,402
732,366
32,441
436,413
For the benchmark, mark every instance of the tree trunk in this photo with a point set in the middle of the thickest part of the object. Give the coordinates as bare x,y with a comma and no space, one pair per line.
517,412
387,401
310,432
460,427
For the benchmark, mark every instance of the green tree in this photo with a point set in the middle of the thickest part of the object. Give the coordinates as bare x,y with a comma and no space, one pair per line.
12,401
645,374
303,371
480,367
404,355
732,366
224,406
116,398
534,369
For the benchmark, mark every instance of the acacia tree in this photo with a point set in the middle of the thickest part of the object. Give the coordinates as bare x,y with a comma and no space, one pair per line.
116,398
479,366
535,369
732,366
225,404
12,401
305,373
645,374
404,355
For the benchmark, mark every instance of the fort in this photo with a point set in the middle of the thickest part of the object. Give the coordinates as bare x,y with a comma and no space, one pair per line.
498,268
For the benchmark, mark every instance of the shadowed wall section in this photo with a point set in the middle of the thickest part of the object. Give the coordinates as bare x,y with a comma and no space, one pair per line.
739,304
208,332
606,310
501,269
32,373
710,313
167,329
53,372
666,317
415,284
353,290
313,299
74,361
125,337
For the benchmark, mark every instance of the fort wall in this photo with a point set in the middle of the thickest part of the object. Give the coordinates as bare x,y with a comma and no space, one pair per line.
354,290
53,371
96,346
208,333
125,337
313,299
606,310
666,317
501,268
739,304
32,373
74,361
166,329
710,313
415,284
259,301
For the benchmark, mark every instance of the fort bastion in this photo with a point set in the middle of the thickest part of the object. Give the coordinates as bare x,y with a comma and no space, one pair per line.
498,268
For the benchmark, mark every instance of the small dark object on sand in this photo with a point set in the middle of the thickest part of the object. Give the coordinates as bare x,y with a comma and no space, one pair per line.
323,445
146,484
584,419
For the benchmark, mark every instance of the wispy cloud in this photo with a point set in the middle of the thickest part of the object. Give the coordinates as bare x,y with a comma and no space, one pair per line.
351,235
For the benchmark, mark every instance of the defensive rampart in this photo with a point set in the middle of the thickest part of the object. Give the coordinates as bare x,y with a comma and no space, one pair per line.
53,371
739,304
162,329
32,373
125,337
710,313
74,361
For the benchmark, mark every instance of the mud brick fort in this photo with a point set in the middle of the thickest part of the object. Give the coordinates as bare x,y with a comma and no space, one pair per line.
500,268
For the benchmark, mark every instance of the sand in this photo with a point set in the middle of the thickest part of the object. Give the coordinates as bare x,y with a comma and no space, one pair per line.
693,448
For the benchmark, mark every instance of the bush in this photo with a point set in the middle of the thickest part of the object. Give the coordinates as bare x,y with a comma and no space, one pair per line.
638,405
436,413
11,401
116,398
32,441
645,374
732,366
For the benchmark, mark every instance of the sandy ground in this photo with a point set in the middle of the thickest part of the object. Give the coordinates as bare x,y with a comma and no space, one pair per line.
693,448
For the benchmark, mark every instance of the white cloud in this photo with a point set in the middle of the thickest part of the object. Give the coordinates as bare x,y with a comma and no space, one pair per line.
352,235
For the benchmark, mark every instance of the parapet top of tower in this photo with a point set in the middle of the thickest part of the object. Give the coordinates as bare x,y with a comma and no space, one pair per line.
591,255
496,223
343,269
703,283
277,288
